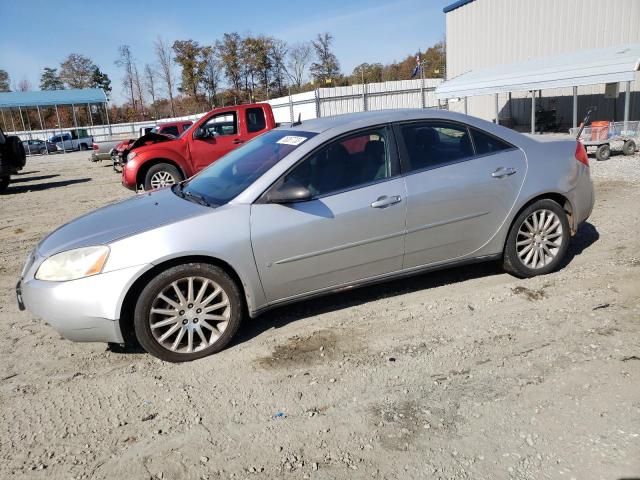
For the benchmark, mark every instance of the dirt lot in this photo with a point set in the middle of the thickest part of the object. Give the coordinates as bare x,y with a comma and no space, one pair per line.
466,373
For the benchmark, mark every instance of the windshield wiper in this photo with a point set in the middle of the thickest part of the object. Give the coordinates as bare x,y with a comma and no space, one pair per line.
192,197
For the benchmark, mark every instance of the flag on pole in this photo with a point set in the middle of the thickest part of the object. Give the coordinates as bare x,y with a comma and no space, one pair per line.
416,69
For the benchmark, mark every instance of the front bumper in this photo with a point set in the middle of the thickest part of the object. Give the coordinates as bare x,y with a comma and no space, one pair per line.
83,310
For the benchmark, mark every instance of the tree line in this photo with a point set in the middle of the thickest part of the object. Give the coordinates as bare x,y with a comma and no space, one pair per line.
188,77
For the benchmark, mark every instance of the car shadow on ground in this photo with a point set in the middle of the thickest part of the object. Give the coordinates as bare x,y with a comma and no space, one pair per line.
586,236
33,179
42,186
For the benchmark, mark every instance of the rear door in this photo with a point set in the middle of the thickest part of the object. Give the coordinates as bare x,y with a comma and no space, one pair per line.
352,228
223,136
461,185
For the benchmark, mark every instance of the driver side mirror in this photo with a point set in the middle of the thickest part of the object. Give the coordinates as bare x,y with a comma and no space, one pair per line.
289,192
201,132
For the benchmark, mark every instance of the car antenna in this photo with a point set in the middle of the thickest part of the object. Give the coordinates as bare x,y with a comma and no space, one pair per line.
297,122
587,119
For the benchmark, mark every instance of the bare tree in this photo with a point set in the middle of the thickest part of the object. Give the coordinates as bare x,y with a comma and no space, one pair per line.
24,85
165,59
211,73
150,85
126,62
299,58
137,83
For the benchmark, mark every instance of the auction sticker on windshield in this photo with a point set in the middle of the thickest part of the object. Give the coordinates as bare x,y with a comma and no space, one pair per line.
291,140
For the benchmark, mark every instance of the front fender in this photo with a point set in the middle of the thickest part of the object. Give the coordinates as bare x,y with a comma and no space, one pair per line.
143,159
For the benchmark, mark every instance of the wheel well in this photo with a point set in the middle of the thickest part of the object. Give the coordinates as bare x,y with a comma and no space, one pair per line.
559,199
144,168
129,302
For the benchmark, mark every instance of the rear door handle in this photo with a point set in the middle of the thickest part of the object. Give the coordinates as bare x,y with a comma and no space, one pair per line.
502,172
237,141
384,201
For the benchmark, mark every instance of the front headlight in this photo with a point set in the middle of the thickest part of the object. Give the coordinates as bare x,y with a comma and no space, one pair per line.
73,264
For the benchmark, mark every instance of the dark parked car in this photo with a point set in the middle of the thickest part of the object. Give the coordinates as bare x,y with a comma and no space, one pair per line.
12,158
32,147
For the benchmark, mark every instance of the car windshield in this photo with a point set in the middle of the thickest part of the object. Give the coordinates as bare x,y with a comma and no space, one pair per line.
230,175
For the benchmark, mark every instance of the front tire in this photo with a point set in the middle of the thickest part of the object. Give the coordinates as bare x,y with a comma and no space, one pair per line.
629,147
188,312
161,175
538,240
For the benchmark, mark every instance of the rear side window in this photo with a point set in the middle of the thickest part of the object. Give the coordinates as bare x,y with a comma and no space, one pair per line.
486,144
432,144
255,120
170,130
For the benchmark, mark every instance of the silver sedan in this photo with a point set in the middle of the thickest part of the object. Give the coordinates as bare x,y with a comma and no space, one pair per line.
307,210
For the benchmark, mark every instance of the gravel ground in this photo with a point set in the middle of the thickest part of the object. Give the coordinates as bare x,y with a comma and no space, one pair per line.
467,373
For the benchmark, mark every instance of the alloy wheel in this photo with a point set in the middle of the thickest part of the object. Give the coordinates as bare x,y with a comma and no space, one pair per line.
189,315
162,179
539,239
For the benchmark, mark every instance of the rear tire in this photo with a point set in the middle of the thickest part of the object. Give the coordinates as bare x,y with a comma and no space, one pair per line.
83,147
603,152
4,183
178,335
538,240
161,175
629,147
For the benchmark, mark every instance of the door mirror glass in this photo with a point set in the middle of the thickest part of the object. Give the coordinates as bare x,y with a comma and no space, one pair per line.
201,132
289,192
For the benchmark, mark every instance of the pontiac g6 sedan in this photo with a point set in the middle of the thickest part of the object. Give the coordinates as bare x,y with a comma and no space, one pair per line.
302,211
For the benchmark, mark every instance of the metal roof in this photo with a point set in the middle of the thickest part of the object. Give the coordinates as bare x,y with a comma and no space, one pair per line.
454,5
585,67
52,97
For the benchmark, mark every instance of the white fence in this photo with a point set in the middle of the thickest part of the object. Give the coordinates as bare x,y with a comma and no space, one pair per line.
325,102
322,102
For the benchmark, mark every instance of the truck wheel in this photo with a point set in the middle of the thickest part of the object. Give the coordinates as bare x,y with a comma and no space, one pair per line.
83,146
161,175
603,152
17,154
4,183
629,147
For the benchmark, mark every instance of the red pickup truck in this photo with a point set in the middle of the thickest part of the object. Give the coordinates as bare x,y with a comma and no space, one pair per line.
167,161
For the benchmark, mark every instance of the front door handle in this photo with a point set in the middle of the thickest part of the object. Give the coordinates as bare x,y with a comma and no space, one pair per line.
237,141
502,172
384,201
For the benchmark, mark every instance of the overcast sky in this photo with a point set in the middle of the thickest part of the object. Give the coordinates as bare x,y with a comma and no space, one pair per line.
38,34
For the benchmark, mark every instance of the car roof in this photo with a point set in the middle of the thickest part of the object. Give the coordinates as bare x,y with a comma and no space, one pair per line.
376,117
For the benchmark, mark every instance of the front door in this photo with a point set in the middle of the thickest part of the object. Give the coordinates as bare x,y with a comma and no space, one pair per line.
222,136
461,185
352,228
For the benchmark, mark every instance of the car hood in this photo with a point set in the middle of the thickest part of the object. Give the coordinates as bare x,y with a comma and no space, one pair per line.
113,222
148,140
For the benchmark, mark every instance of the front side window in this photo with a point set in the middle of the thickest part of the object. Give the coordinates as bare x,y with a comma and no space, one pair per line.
353,161
432,144
226,178
255,120
222,124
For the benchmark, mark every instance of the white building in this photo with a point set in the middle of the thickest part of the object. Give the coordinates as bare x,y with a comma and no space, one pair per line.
483,34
